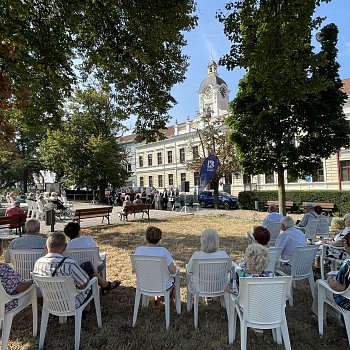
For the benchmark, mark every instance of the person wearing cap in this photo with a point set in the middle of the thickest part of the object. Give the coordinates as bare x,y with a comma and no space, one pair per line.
15,209
309,215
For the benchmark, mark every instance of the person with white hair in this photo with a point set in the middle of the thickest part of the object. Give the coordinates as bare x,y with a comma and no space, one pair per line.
209,248
290,238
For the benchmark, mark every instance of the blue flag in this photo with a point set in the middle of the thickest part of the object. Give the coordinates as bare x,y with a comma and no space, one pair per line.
208,170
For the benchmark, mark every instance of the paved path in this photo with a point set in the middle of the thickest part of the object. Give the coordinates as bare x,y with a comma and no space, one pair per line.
154,214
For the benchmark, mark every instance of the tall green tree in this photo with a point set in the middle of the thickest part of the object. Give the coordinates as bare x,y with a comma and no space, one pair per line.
213,133
85,150
288,111
134,46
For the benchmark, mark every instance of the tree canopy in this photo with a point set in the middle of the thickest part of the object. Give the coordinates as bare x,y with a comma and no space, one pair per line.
287,114
46,47
85,150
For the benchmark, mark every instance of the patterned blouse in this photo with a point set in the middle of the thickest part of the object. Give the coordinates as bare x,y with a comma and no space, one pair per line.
10,280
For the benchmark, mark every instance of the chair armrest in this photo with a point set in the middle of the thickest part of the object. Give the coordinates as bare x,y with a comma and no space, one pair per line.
235,265
90,284
284,261
324,284
177,272
29,290
280,273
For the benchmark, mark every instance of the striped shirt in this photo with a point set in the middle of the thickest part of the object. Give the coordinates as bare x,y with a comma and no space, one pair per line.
46,265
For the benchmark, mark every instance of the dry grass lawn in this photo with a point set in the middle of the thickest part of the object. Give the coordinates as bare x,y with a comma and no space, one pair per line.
181,237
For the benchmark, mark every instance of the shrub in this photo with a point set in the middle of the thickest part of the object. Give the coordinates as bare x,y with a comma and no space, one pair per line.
338,224
341,199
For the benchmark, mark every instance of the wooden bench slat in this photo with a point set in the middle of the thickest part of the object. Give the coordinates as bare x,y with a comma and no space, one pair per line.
87,213
134,209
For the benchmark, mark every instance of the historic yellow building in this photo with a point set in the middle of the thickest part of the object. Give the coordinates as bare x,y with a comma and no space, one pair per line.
162,164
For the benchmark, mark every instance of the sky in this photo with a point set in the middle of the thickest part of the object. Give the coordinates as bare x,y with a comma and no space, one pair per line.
208,39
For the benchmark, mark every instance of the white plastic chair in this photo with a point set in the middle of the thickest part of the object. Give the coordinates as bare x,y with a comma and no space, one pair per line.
151,276
255,311
23,260
311,229
323,227
301,267
324,298
88,254
29,297
59,299
275,254
35,209
209,278
274,228
334,262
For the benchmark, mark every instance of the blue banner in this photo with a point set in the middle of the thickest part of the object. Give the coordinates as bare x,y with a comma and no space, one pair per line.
208,170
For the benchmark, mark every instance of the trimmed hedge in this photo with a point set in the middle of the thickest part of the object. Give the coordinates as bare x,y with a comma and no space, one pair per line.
341,199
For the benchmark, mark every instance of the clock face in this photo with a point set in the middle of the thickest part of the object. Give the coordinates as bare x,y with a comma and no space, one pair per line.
208,92
223,92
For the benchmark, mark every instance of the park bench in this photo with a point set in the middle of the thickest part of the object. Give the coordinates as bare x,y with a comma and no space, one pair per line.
133,209
13,222
326,207
88,213
289,204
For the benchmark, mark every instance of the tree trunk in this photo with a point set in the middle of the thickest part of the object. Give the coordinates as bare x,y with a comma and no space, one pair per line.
25,181
281,191
102,189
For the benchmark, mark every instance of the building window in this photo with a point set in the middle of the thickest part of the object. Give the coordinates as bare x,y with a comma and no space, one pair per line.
149,158
182,155
159,158
150,181
228,179
270,178
183,176
140,161
142,184
318,176
196,178
171,179
195,152
247,179
160,180
170,157
345,170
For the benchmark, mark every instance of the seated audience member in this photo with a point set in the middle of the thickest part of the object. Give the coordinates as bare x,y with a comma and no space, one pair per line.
66,266
273,215
138,199
31,196
309,215
32,239
338,283
14,209
13,284
260,235
127,201
290,238
72,231
257,260
334,248
209,248
56,201
153,237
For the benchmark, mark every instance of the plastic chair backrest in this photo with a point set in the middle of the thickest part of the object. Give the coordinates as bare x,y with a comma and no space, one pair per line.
58,292
82,255
209,276
23,261
302,260
274,254
274,228
40,206
151,272
323,226
311,229
270,308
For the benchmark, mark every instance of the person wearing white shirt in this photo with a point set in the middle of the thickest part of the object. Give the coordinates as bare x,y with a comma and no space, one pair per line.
290,238
209,248
272,215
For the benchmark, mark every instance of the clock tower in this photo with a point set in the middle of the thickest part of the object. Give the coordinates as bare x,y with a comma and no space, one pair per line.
213,93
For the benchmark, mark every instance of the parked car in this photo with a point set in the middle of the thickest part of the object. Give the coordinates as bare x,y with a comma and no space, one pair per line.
206,199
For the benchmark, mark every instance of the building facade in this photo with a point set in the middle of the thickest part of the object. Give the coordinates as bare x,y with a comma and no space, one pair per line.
163,164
